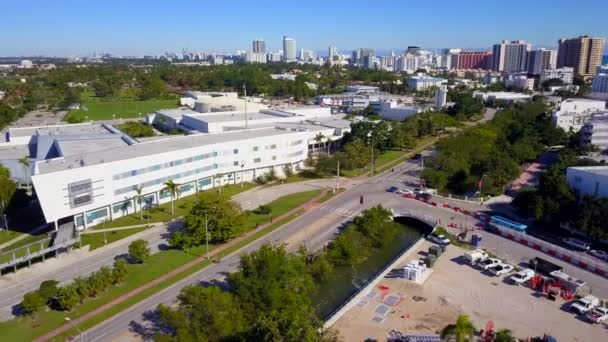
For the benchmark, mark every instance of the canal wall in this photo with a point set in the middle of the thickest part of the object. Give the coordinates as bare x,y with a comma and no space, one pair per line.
362,292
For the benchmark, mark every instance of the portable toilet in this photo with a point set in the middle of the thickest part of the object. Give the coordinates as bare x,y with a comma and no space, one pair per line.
476,240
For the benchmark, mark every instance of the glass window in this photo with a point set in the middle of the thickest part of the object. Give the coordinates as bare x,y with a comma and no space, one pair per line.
186,187
235,151
236,163
97,214
165,193
257,160
204,182
121,207
274,157
256,148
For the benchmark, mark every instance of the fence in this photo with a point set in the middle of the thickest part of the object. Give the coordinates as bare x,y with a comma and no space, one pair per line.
30,255
577,259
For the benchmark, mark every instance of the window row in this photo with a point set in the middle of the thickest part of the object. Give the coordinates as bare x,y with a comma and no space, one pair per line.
164,179
166,165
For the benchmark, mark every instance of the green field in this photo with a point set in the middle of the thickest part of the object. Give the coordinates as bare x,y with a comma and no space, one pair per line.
96,240
103,110
27,328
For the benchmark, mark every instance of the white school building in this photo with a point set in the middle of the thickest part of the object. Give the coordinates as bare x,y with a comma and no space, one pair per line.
89,173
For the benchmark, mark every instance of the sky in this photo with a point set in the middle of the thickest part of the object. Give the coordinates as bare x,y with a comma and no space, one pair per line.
137,27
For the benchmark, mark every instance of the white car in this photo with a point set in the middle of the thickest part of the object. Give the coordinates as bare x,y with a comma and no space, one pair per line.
599,254
438,239
419,191
577,244
501,269
488,263
405,192
597,315
522,276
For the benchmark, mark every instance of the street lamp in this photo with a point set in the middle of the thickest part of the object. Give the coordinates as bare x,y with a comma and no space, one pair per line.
371,136
79,331
207,235
242,167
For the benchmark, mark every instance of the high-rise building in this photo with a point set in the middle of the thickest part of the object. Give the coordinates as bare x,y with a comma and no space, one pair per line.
467,60
332,55
259,46
289,49
441,97
600,80
511,56
446,60
541,59
583,53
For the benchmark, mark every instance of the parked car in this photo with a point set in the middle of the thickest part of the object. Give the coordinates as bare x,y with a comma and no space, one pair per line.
417,156
419,191
407,192
425,196
473,257
392,189
522,276
501,269
597,315
438,239
584,304
599,254
577,244
488,263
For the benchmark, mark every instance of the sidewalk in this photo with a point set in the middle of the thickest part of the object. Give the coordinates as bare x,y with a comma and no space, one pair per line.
77,321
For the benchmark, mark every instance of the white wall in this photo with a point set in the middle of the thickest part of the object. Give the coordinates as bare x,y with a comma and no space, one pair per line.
52,188
587,182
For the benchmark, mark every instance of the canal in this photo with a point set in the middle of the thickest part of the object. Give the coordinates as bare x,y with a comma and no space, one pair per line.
345,281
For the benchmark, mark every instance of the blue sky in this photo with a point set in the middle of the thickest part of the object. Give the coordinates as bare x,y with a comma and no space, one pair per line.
66,27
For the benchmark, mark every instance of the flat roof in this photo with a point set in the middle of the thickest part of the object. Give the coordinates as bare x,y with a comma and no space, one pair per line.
153,147
72,129
232,116
596,170
176,113
70,147
14,152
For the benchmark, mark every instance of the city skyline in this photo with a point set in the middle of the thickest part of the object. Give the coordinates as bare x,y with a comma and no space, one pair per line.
72,28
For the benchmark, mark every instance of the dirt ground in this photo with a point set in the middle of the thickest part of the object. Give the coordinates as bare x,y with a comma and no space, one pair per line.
455,288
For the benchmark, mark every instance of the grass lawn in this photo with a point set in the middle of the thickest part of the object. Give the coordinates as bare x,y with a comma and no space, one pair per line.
26,328
96,240
162,213
103,110
7,235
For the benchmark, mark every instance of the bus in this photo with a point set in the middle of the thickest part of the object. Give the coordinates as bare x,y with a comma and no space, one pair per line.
501,222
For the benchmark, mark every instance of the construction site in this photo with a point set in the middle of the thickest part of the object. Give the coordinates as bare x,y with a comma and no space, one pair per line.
542,304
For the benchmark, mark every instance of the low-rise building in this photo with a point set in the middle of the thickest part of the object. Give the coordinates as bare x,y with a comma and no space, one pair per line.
421,83
392,111
565,74
441,97
521,82
588,180
505,96
216,101
89,173
595,131
573,113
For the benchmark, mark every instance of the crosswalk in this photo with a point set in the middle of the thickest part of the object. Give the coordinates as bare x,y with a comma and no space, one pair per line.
339,211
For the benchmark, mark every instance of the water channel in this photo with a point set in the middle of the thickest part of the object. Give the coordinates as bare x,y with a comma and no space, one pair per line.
345,281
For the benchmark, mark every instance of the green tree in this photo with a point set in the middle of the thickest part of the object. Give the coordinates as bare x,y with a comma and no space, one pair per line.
462,331
138,199
31,303
263,210
83,288
139,251
152,87
225,220
358,153
288,170
174,191
204,314
48,289
119,271
67,297
504,335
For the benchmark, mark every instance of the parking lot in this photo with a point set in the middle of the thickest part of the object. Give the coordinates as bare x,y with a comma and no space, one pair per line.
455,288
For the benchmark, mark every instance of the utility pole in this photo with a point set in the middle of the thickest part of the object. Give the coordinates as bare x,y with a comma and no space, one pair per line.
246,119
338,177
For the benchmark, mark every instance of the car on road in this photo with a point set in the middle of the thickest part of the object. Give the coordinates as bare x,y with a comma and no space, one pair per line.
599,254
577,244
501,269
392,189
597,315
419,191
407,192
488,263
522,276
417,156
585,304
438,239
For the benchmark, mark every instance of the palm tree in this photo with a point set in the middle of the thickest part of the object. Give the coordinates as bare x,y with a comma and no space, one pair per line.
173,188
462,331
25,164
138,199
504,335
318,139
